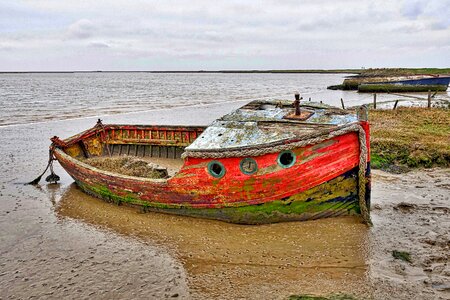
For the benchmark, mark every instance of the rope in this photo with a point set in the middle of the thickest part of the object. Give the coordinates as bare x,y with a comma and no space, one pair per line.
365,214
52,177
311,139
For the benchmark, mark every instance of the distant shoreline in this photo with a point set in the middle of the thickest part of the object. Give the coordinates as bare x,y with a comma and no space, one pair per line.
360,72
318,71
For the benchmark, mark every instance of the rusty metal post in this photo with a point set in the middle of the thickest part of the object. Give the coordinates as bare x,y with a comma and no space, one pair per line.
429,98
374,101
297,104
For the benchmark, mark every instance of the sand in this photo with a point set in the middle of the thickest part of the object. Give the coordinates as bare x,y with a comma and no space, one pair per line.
58,242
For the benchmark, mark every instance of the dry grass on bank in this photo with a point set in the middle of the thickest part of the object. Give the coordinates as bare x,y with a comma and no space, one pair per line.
412,137
404,71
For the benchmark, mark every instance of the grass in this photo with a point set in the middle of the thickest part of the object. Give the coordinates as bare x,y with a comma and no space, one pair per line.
404,71
410,137
402,255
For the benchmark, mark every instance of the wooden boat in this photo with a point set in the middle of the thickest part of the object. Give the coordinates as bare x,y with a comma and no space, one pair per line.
407,84
264,162
386,84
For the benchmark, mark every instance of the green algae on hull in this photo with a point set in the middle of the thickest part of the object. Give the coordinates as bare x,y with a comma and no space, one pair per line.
333,198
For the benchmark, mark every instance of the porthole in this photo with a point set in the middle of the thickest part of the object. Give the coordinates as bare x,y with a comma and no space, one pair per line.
286,159
248,166
216,169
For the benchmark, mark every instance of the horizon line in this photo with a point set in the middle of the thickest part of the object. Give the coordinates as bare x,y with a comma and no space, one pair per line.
343,70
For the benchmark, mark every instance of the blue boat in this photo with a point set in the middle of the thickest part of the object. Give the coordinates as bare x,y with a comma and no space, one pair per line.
445,80
406,84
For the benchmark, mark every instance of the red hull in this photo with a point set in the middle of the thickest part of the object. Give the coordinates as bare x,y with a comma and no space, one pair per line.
321,174
193,186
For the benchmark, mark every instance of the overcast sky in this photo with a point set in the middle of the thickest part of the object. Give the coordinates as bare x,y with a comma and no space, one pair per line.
214,35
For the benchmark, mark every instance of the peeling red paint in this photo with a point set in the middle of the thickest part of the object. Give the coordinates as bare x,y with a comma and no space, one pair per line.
193,186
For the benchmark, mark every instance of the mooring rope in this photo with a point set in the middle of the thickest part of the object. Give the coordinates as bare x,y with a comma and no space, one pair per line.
52,177
365,214
311,139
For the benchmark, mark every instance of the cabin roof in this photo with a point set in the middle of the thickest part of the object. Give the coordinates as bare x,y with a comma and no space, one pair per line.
266,122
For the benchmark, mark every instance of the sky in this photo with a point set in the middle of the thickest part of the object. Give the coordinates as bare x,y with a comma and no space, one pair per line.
135,35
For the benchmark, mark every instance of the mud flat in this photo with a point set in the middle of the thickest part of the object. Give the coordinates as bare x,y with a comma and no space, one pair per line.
411,213
58,242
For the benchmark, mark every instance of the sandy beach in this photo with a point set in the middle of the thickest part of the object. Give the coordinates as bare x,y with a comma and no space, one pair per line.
58,242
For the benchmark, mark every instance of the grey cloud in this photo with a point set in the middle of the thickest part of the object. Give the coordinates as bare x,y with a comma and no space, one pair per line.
266,33
81,29
98,45
439,25
413,8
4,47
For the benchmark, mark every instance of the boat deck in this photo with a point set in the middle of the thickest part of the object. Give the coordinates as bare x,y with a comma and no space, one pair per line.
261,123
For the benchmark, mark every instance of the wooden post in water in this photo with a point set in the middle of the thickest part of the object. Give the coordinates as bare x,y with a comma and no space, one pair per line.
342,102
309,98
374,101
297,104
395,104
429,98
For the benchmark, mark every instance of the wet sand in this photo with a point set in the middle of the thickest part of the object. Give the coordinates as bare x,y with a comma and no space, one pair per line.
58,242
233,261
411,212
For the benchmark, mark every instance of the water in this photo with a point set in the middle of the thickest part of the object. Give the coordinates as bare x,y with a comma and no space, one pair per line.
29,98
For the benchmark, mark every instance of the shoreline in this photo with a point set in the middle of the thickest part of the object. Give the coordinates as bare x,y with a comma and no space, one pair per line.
306,71
369,72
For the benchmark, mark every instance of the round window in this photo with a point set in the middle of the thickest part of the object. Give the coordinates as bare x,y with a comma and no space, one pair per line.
286,159
216,169
248,166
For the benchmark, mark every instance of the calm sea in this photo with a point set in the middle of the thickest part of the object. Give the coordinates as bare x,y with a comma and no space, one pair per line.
40,97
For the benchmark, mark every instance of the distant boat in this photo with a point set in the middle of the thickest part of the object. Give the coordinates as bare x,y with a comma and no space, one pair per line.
407,84
265,162
435,80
